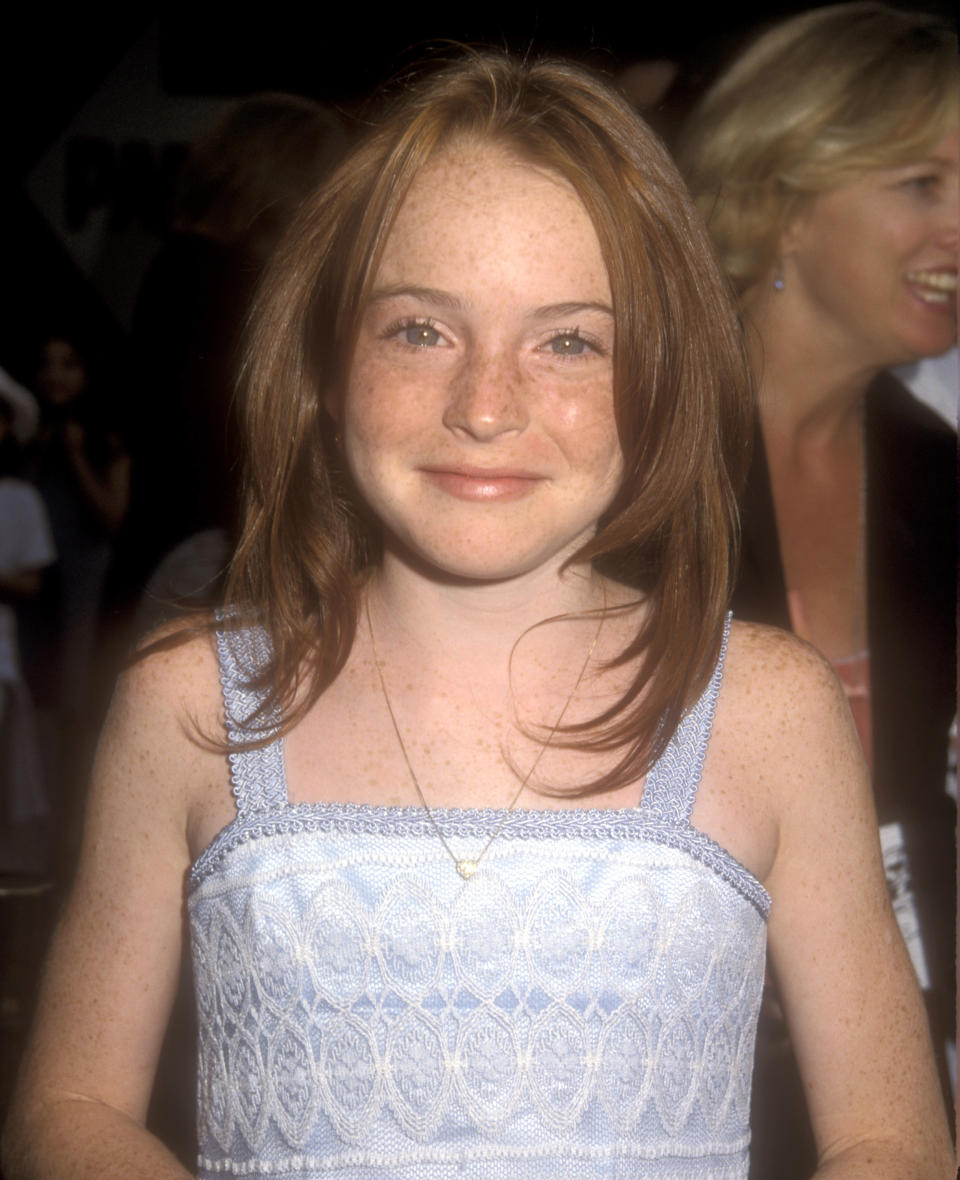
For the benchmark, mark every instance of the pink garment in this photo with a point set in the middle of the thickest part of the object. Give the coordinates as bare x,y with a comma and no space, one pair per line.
854,674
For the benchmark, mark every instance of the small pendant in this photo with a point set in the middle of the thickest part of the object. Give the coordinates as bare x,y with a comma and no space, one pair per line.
466,868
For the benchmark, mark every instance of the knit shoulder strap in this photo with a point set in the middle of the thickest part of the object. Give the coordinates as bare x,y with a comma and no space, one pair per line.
671,787
256,774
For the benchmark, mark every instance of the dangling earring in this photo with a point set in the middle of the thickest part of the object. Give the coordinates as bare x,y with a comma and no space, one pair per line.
778,283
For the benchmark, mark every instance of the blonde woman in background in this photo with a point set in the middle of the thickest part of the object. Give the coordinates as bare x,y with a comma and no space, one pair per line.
825,162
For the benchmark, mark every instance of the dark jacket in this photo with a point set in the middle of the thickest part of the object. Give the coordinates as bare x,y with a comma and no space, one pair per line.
911,499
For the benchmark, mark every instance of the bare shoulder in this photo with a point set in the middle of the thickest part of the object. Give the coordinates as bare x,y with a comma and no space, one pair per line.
844,978
157,762
783,738
777,690
120,934
774,660
175,667
172,684
164,722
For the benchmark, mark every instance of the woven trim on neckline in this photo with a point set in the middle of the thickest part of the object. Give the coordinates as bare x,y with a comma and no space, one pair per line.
358,819
257,775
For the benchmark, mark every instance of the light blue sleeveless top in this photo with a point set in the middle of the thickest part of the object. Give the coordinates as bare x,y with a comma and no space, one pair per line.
584,1006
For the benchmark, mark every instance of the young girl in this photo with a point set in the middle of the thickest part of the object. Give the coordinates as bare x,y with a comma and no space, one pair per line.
483,900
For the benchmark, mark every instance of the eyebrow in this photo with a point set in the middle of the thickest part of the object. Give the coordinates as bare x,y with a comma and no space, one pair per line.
424,294
452,303
933,161
564,309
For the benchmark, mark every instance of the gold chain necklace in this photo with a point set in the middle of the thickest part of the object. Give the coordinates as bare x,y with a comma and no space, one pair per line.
467,867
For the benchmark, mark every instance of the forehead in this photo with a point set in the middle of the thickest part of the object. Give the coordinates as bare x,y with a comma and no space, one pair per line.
940,151
940,158
947,152
475,210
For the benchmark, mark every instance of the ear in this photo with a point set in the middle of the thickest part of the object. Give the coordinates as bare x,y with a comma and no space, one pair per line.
793,234
791,238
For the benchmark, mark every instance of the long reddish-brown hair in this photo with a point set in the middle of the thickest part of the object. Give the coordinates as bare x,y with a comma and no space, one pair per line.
681,389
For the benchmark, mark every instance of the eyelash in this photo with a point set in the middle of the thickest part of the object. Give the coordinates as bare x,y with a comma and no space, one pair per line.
590,343
926,184
398,327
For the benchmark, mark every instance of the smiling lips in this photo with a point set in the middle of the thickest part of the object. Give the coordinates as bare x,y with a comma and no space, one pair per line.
933,286
476,483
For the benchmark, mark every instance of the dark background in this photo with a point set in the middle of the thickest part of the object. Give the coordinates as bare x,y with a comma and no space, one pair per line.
56,60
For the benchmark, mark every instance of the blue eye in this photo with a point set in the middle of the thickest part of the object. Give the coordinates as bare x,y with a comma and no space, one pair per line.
421,335
925,185
568,344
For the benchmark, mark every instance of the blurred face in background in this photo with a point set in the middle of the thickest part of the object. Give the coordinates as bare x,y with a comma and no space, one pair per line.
872,264
62,375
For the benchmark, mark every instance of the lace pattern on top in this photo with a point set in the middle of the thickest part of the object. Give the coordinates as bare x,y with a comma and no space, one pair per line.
584,1007
359,1002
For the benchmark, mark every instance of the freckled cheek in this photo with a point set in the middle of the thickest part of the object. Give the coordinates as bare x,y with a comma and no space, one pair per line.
587,421
380,407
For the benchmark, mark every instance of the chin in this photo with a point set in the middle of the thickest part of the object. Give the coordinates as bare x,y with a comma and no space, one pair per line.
934,341
474,563
474,569
922,352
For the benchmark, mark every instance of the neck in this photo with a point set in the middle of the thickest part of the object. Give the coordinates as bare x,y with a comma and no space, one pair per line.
476,622
811,379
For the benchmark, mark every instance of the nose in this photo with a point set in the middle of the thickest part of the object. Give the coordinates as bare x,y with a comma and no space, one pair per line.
487,396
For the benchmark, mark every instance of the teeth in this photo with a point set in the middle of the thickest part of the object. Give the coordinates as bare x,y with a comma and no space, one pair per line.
939,280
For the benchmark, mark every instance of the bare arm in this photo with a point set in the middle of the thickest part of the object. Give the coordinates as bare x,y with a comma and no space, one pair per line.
110,981
851,998
108,494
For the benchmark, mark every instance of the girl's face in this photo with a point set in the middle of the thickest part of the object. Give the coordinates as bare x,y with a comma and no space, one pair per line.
62,375
478,418
874,260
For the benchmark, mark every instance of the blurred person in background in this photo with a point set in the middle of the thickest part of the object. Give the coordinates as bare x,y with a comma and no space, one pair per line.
825,161
26,553
81,466
238,190
240,186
